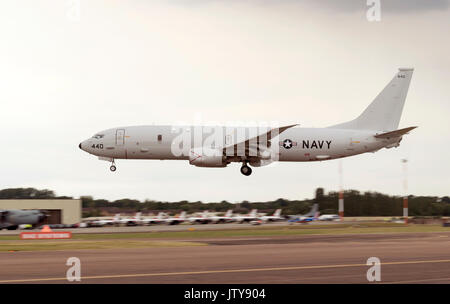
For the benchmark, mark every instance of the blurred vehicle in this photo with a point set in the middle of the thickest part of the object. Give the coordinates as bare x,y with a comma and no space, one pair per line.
329,217
203,219
11,219
312,215
252,216
177,219
132,221
256,222
227,218
105,222
25,226
273,218
159,219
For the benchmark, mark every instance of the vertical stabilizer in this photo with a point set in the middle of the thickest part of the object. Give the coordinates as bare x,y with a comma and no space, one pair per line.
384,113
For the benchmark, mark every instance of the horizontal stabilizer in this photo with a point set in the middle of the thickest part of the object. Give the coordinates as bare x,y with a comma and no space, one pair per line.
396,133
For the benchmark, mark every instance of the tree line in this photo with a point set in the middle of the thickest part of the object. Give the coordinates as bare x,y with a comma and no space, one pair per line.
356,203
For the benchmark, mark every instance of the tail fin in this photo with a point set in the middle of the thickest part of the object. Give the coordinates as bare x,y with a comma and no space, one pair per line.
314,209
384,113
229,213
253,212
277,212
117,217
183,215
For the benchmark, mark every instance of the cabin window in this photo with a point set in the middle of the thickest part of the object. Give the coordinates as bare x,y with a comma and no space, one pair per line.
159,137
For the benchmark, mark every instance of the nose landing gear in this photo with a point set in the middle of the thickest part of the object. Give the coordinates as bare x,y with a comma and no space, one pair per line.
113,166
246,170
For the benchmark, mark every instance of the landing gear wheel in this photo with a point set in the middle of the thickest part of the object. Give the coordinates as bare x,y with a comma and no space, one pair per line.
246,170
113,166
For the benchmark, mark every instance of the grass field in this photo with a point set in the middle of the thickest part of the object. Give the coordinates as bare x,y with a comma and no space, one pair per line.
91,244
176,238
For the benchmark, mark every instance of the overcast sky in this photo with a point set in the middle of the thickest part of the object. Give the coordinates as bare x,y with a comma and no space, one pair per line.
316,63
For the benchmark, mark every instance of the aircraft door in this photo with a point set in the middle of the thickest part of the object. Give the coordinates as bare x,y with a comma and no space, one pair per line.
120,137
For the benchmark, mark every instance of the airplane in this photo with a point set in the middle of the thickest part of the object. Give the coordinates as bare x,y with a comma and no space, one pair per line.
105,222
312,215
203,219
252,216
12,219
218,146
329,217
272,218
159,219
227,218
176,220
132,221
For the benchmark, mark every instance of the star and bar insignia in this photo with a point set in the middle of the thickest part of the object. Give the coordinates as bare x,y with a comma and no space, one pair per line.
287,143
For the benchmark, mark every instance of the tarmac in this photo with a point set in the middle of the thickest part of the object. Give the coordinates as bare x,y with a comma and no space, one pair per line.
404,257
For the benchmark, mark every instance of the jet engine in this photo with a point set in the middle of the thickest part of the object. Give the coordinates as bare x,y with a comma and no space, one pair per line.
260,162
206,157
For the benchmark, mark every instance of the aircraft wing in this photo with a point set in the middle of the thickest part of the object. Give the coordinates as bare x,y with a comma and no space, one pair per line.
252,143
396,133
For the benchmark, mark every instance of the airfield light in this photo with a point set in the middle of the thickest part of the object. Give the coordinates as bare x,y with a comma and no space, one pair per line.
341,193
405,190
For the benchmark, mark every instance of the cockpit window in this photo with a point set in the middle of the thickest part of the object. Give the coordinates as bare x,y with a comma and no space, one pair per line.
98,136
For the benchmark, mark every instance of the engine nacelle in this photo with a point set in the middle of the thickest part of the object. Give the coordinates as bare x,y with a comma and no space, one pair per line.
260,162
205,157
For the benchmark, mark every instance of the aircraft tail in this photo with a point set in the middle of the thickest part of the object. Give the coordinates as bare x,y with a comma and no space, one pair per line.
384,113
117,217
277,212
253,212
313,211
229,213
183,215
138,215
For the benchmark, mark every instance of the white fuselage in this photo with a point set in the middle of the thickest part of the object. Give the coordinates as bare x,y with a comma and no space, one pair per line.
295,144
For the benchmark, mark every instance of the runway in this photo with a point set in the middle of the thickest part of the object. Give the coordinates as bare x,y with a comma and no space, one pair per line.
405,258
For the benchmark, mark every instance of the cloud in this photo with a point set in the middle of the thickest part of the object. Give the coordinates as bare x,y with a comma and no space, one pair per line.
394,6
390,6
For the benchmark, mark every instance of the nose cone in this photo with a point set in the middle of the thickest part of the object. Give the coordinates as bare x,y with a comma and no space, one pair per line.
83,145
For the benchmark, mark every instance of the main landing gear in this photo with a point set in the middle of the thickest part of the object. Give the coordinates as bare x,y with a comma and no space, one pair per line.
113,166
246,170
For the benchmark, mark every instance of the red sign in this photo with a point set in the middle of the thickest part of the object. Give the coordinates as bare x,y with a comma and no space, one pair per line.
45,235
